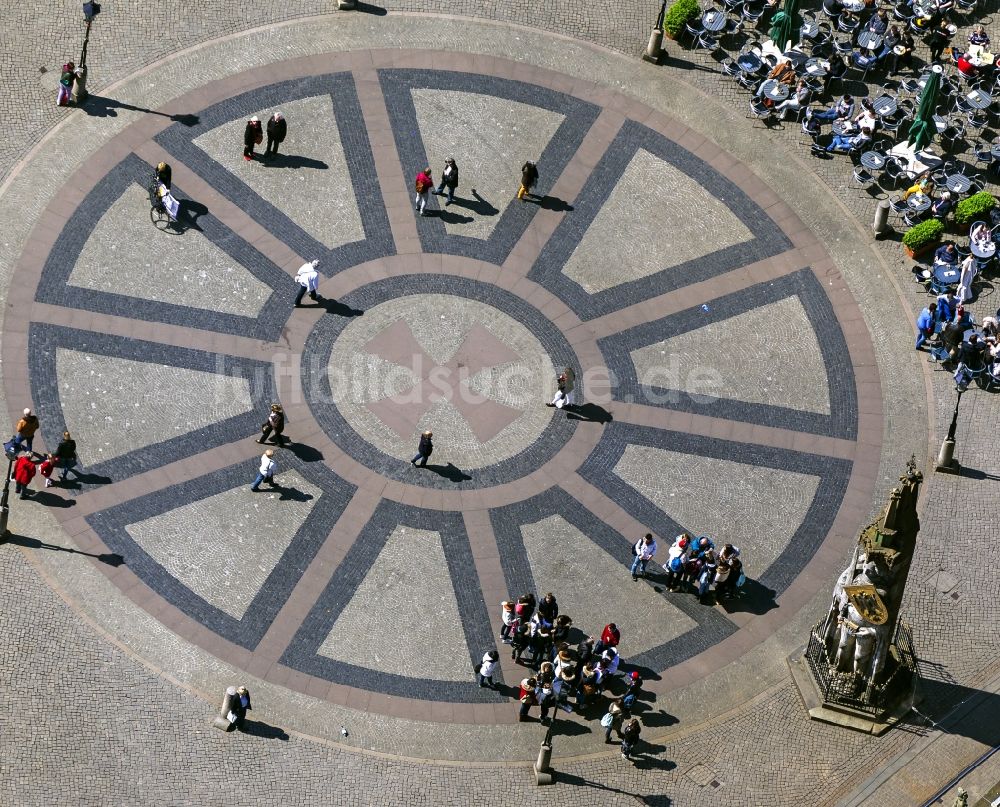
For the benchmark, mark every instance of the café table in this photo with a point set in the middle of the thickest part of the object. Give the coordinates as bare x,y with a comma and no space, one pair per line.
817,67
995,150
809,29
749,62
885,105
713,20
979,99
854,6
842,127
869,40
918,202
774,90
873,161
946,274
983,252
958,183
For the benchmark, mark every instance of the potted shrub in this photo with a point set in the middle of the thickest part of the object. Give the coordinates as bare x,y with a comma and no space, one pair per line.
974,208
680,13
922,237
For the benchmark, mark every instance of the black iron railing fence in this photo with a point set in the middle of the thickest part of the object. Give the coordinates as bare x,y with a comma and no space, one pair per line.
872,697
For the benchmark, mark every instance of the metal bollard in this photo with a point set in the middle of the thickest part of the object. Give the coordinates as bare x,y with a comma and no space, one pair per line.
221,721
881,223
654,50
543,771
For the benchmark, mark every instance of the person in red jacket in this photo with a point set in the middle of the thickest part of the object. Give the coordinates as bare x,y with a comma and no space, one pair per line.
24,472
422,186
610,637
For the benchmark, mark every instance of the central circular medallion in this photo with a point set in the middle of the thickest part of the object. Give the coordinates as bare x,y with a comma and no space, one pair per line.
470,362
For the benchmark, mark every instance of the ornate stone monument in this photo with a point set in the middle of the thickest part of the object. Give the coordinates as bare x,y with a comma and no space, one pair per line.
859,669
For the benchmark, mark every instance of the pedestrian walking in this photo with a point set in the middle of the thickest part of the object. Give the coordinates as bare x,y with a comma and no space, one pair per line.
66,456
630,736
424,449
277,128
46,468
66,78
491,661
925,324
275,423
308,279
24,472
529,176
266,472
643,550
449,181
24,430
565,384
253,135
633,683
422,185
613,718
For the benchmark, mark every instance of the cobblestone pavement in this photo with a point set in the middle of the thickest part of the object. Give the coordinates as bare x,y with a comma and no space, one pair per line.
697,765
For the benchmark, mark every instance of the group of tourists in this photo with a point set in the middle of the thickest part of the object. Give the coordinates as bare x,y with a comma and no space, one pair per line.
565,675
26,463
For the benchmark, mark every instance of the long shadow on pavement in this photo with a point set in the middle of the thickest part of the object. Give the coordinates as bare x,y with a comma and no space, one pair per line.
33,543
255,728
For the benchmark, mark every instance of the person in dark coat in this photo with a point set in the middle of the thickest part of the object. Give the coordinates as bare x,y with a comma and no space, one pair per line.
66,456
424,449
241,705
275,422
277,128
449,180
529,176
252,135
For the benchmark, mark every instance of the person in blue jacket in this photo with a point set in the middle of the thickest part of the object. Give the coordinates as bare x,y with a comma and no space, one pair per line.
925,324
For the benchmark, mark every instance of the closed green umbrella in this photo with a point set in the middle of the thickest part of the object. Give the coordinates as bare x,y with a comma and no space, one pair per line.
922,131
785,24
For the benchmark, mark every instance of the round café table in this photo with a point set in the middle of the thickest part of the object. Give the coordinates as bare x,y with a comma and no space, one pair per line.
918,202
809,29
983,252
842,127
978,99
749,63
940,123
873,161
957,183
854,6
885,105
946,274
774,89
817,67
869,40
713,20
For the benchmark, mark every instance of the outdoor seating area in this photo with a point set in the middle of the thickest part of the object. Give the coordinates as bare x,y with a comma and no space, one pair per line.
903,95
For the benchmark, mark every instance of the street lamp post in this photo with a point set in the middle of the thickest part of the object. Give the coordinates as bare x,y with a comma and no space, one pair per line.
90,10
946,462
654,50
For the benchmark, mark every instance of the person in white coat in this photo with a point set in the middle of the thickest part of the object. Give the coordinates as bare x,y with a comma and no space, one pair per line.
970,268
643,550
489,666
308,279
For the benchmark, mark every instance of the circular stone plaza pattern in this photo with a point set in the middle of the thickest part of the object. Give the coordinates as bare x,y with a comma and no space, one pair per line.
727,381
717,389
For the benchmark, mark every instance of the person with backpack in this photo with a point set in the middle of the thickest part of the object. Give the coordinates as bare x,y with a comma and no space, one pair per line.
422,185
613,719
677,556
66,79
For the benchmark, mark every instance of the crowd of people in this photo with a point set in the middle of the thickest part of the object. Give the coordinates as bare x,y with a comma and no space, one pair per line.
26,463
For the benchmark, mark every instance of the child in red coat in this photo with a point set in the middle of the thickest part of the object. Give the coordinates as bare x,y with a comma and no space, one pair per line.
46,468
